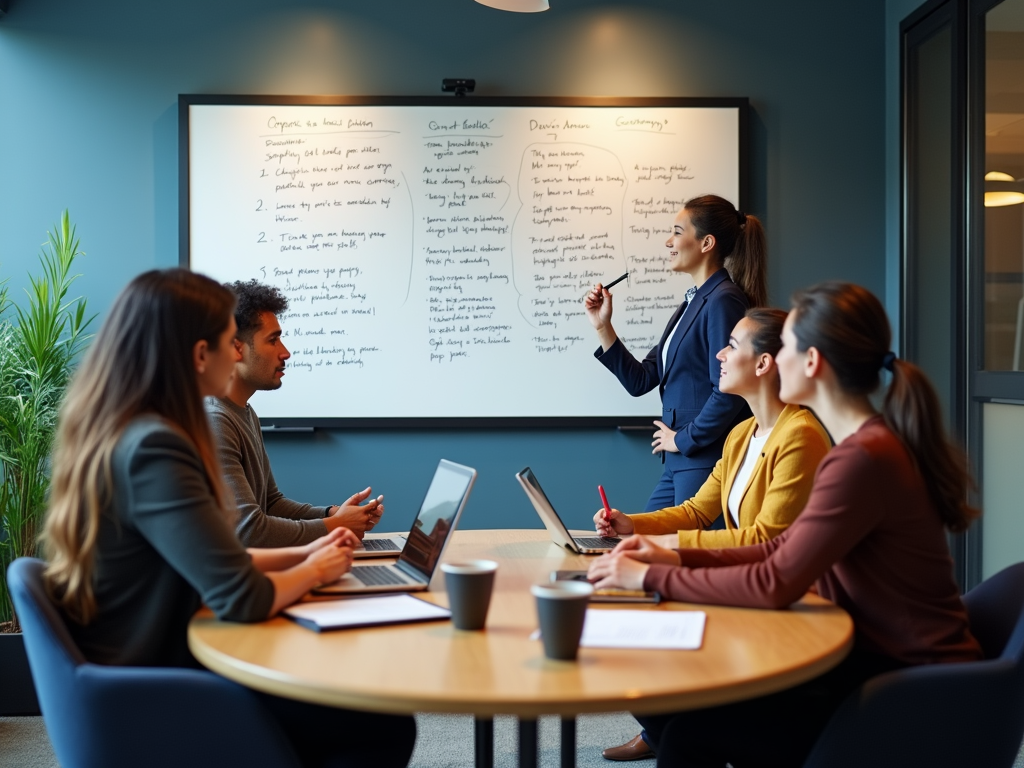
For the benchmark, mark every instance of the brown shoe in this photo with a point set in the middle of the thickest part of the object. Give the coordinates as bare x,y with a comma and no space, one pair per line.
634,749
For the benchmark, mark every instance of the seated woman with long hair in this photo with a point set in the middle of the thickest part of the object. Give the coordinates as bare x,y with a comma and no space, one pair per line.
872,538
138,534
767,468
763,479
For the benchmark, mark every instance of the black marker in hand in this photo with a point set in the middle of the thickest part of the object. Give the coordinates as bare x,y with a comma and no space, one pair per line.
616,281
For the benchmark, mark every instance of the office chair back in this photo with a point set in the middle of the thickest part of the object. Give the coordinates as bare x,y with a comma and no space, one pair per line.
940,715
123,717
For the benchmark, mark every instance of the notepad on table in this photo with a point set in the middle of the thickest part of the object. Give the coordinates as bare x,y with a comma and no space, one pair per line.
364,612
661,630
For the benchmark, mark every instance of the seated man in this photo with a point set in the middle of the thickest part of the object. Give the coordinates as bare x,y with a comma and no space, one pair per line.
265,517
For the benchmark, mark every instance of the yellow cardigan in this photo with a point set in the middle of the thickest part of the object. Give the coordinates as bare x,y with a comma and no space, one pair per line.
776,492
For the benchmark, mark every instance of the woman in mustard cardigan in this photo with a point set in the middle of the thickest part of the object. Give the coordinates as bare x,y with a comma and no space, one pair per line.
764,477
765,474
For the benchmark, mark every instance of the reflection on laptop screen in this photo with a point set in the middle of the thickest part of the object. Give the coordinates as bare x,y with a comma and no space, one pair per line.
435,518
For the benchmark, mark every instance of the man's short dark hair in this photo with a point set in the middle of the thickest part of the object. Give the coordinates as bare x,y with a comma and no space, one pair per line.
254,298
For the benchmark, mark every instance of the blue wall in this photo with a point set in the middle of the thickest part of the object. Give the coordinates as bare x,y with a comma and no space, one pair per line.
88,102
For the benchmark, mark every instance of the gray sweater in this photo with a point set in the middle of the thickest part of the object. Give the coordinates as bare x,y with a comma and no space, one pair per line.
164,548
265,517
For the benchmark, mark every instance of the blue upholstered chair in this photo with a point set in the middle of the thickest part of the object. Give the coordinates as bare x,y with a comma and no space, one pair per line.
956,715
125,717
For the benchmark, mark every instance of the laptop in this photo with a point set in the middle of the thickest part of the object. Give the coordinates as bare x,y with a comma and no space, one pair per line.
380,546
583,545
425,543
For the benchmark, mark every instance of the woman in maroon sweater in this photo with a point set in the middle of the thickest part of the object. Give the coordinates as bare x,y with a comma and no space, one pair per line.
871,538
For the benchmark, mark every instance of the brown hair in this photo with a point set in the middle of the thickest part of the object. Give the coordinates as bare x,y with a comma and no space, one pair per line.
767,335
848,326
739,242
140,362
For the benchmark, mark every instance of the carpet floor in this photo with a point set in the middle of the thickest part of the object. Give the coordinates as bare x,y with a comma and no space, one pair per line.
443,741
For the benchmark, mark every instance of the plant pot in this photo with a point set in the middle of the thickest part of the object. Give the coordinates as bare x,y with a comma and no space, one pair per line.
17,692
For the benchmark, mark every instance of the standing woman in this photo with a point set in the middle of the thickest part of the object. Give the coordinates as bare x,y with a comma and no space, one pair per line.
872,538
724,251
139,535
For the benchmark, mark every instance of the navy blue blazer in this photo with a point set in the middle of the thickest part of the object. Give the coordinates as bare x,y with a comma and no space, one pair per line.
691,402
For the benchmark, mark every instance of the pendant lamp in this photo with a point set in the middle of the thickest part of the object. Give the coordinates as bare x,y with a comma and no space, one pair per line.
1002,189
519,6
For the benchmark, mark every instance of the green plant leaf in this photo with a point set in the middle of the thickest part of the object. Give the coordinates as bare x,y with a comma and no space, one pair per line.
39,345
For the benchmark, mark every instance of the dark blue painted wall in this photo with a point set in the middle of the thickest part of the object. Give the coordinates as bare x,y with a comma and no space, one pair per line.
88,122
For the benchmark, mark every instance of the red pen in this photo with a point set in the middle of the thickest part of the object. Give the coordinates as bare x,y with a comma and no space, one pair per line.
604,500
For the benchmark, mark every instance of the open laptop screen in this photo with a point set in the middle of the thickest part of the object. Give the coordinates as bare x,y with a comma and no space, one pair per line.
437,516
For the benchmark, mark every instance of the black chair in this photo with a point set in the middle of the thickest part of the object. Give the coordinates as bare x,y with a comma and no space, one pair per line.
968,715
124,717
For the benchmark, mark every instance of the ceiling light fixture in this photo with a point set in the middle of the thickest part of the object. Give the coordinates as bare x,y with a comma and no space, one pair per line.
1002,189
518,6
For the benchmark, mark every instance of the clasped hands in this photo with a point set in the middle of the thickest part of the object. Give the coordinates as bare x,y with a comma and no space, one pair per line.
331,555
625,567
353,514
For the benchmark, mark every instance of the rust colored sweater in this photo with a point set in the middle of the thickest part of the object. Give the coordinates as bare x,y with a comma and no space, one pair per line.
871,541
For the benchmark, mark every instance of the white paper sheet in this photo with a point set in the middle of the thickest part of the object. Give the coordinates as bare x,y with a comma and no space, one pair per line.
665,630
365,611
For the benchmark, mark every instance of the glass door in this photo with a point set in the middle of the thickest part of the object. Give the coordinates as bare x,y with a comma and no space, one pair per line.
996,197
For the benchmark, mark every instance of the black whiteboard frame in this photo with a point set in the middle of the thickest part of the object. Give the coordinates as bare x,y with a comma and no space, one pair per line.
186,100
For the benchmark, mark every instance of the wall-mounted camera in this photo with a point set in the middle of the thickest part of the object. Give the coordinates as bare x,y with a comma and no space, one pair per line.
458,85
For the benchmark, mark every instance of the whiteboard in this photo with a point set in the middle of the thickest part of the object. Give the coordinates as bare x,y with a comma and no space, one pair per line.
435,252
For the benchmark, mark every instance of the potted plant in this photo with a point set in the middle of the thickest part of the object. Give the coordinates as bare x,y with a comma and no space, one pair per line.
39,343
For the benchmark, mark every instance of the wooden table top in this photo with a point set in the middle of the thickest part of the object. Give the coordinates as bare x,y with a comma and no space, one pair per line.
435,668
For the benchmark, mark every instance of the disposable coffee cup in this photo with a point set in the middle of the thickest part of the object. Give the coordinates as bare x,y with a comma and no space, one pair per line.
561,610
469,584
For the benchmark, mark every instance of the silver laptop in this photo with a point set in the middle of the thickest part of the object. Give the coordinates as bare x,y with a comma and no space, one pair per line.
384,545
425,544
584,545
380,546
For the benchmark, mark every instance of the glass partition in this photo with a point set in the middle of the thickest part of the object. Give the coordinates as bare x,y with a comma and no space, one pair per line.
1003,187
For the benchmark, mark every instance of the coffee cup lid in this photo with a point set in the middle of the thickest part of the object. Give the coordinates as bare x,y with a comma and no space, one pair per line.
470,566
563,590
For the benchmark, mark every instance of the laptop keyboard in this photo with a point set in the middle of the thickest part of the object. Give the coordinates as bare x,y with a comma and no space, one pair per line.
596,542
377,575
380,545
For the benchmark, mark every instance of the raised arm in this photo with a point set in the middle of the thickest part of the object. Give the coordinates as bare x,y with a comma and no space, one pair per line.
638,377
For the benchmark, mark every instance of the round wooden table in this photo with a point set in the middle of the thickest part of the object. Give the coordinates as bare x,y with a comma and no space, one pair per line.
435,668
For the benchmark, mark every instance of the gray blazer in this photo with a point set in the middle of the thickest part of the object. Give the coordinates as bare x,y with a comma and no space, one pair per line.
164,549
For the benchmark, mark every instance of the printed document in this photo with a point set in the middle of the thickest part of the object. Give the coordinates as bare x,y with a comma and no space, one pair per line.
663,630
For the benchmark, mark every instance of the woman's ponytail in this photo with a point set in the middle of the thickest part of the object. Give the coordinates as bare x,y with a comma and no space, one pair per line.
739,241
911,409
848,326
748,263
